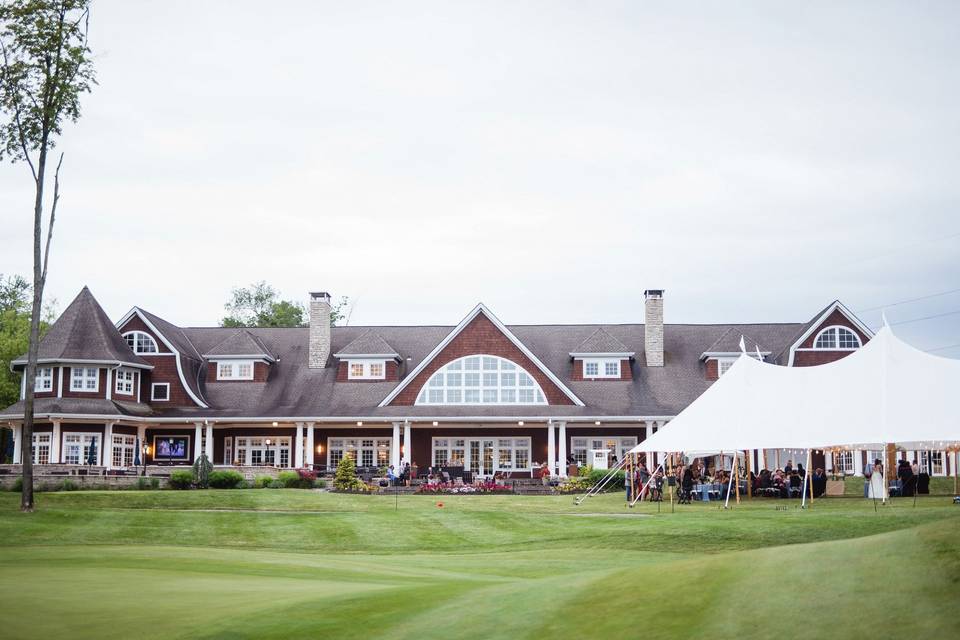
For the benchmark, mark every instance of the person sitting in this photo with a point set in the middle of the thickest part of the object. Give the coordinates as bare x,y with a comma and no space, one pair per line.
796,485
391,476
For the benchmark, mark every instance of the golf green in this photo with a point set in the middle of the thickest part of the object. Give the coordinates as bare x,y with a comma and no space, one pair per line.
289,563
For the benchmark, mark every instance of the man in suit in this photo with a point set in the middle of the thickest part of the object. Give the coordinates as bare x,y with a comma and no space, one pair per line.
867,472
905,473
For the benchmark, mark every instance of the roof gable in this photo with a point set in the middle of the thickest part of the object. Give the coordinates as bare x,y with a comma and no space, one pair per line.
730,341
477,333
84,333
368,344
241,343
809,328
601,342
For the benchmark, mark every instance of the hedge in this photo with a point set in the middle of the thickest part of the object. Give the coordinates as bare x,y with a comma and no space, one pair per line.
228,479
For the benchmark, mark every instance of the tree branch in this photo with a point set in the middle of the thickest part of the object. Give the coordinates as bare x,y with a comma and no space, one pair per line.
16,115
53,217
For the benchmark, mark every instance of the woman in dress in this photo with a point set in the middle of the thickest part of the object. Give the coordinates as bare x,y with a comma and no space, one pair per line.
877,480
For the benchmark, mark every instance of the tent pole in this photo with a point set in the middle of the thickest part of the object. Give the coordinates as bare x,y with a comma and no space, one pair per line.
809,476
630,481
803,502
749,483
670,486
736,468
726,505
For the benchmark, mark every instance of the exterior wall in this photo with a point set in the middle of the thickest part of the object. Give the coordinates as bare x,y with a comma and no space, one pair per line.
481,337
391,372
423,439
136,324
165,370
100,393
812,358
712,369
261,371
626,372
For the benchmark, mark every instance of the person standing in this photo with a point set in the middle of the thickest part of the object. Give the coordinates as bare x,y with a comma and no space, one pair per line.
877,482
867,472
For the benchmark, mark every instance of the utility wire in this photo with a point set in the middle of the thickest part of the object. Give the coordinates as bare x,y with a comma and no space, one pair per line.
949,346
939,315
894,304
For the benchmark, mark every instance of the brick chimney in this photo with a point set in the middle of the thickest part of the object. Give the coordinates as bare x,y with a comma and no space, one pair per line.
653,327
319,329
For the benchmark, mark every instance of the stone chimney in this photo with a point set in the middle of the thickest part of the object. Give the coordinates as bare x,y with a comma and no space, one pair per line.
653,327
319,329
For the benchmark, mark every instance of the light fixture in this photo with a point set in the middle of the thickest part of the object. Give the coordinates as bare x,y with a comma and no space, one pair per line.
597,422
319,448
520,423
267,442
435,423
274,423
359,423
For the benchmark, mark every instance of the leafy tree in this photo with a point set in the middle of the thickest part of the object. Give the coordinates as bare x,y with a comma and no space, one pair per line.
259,305
345,478
201,472
46,68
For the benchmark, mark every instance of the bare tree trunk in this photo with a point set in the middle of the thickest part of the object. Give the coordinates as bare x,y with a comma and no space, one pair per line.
26,444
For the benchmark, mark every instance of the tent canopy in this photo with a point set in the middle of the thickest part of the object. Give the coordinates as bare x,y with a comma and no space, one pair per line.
885,392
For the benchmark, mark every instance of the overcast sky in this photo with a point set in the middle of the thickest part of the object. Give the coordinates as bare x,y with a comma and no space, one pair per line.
550,159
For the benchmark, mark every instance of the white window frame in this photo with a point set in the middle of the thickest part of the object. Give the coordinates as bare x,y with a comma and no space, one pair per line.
846,465
438,387
43,382
123,451
602,368
139,339
84,444
458,448
366,369
42,441
78,383
580,446
724,364
279,451
153,391
363,450
125,378
234,369
836,339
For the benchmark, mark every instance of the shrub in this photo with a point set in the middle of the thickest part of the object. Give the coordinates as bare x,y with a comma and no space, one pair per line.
289,479
181,479
17,485
319,483
67,485
299,479
277,484
147,483
616,484
345,479
225,479
201,471
262,482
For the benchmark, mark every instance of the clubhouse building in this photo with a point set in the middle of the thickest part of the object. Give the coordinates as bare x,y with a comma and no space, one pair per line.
494,398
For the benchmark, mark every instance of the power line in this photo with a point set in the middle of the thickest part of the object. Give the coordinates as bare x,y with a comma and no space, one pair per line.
894,304
939,315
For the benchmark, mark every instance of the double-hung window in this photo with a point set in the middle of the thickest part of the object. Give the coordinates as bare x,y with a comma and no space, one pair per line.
85,379
601,368
44,380
235,370
366,370
124,382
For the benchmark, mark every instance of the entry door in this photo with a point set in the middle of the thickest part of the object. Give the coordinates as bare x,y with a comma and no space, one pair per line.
481,457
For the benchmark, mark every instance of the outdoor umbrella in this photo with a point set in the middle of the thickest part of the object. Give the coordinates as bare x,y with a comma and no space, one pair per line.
136,452
92,455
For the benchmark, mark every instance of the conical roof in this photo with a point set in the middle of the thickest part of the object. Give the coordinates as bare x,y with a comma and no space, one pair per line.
83,332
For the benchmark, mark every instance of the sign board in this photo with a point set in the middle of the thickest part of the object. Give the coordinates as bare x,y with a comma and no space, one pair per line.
599,458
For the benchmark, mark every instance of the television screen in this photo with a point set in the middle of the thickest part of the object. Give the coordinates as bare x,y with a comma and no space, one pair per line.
172,448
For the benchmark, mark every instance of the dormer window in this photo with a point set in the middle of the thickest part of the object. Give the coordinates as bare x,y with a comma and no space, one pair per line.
724,364
837,339
141,342
601,368
85,379
44,380
366,370
235,370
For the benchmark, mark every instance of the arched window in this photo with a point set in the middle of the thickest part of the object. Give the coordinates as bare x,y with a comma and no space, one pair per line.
838,338
141,342
481,379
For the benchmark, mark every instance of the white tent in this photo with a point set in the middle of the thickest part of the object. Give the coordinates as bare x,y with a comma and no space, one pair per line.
885,392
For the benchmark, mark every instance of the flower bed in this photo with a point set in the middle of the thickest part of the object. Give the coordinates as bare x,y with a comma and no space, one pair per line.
449,487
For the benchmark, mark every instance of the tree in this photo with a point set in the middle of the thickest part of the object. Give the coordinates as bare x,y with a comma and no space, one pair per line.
46,68
259,305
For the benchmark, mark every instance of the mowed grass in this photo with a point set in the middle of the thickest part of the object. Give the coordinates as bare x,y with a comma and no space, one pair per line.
287,563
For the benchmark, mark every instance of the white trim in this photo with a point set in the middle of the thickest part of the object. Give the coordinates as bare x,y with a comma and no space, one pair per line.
823,318
626,355
234,366
350,421
135,333
120,378
169,345
153,387
70,361
480,308
834,327
366,356
706,355
481,372
40,378
602,368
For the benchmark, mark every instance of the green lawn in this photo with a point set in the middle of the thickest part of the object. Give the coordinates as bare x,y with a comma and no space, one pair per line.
291,564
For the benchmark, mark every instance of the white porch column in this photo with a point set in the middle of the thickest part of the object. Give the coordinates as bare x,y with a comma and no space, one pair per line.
395,446
563,449
310,448
407,444
208,448
197,437
55,443
551,448
106,450
17,443
298,447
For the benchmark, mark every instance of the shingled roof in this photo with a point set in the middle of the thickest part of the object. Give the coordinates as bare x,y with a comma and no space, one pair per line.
83,332
240,343
370,343
729,342
600,342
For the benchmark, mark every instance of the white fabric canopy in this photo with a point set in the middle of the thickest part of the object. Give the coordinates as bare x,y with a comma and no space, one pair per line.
885,392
